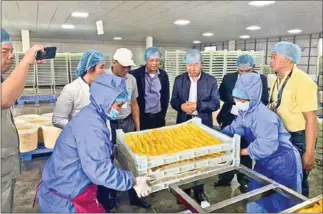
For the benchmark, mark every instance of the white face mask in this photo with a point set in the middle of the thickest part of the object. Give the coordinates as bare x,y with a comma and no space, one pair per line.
243,106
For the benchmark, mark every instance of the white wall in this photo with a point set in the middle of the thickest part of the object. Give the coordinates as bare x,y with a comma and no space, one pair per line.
108,48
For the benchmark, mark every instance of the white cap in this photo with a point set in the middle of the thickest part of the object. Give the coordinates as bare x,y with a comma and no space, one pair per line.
124,57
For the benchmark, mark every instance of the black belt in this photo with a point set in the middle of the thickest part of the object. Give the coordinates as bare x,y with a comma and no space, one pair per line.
298,133
151,115
191,116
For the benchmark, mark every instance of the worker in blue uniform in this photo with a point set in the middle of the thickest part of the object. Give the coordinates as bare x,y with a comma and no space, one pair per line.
268,144
82,155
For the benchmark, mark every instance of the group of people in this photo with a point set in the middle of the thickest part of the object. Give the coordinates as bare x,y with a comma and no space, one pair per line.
80,175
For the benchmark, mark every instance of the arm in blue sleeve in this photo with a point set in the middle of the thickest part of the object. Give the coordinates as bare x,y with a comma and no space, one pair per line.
213,103
234,128
95,158
266,142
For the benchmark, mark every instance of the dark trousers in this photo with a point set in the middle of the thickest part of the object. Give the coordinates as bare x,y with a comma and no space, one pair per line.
299,141
197,190
152,121
246,161
105,195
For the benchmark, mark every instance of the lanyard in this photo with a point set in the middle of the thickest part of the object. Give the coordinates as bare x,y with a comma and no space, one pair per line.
280,92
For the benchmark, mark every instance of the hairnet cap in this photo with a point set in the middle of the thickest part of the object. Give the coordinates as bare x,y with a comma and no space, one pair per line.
193,56
152,53
240,94
5,38
289,50
123,97
89,60
245,61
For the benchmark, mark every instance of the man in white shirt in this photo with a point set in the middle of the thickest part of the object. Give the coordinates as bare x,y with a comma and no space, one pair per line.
195,94
128,119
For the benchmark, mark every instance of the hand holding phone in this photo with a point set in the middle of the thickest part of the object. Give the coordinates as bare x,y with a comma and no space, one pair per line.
48,53
30,56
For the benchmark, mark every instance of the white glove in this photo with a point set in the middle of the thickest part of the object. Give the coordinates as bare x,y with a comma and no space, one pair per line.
142,188
234,110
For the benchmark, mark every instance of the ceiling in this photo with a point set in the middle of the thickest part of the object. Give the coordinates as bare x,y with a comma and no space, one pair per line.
134,20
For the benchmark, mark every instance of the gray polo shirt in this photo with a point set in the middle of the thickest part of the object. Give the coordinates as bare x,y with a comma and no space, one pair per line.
132,89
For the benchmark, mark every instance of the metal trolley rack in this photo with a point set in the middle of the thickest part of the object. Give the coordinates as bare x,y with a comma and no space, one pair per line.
270,186
305,204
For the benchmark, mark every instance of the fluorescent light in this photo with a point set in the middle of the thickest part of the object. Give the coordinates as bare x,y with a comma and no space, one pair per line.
68,26
253,27
181,22
117,38
208,34
294,31
244,37
260,3
80,14
196,42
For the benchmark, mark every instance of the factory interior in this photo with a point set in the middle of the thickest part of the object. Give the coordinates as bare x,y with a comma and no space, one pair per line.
181,36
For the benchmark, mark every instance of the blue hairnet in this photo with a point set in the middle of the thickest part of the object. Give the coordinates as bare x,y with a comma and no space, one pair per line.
123,97
89,60
245,61
5,38
240,94
289,50
152,53
193,56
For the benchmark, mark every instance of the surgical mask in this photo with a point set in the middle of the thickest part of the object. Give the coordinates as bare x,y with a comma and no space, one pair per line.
113,114
243,106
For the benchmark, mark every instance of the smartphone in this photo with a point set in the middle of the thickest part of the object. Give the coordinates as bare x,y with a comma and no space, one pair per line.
49,53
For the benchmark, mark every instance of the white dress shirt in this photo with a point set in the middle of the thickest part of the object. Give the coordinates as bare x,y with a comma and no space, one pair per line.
193,92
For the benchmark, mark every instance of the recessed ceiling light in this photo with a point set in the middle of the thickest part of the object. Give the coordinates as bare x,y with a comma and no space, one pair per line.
244,37
260,3
181,22
68,26
253,27
196,42
80,14
208,34
117,38
294,31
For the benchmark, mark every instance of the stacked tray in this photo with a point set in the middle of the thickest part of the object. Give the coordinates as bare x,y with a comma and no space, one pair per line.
174,164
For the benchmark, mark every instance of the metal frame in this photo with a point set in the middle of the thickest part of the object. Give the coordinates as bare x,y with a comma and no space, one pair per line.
270,186
305,204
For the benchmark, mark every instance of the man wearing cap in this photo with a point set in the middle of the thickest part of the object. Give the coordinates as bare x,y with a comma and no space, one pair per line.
294,98
229,111
11,88
153,91
128,119
195,94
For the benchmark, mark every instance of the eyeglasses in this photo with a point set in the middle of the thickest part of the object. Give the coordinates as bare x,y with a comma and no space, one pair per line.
124,67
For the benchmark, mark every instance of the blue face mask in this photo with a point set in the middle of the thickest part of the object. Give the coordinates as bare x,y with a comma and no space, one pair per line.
113,114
